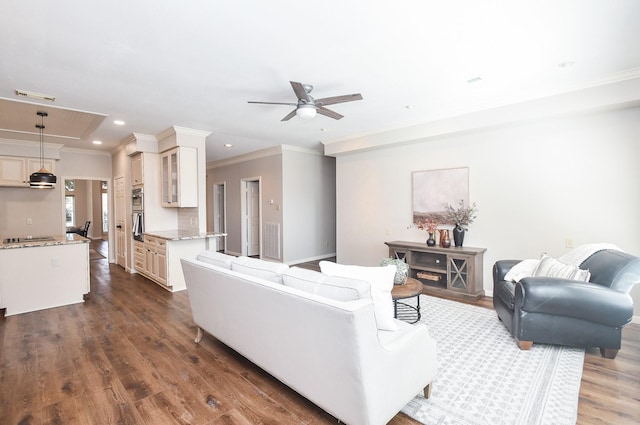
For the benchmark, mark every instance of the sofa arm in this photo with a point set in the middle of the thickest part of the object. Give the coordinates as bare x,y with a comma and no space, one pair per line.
500,269
581,300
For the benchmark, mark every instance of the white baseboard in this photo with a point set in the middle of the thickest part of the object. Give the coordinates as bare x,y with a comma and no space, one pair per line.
306,260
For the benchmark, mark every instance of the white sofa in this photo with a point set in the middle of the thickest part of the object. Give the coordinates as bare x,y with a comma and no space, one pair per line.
327,350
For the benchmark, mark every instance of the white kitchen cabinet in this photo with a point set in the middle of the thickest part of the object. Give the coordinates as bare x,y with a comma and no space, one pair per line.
15,170
12,171
150,258
136,171
179,168
158,259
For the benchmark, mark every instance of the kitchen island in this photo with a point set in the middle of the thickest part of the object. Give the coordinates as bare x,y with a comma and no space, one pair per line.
158,256
44,272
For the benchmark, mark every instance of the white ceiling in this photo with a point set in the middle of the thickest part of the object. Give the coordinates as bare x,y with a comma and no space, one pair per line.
195,64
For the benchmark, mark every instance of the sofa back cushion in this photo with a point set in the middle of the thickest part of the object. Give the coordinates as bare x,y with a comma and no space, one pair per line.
334,287
216,258
259,268
381,283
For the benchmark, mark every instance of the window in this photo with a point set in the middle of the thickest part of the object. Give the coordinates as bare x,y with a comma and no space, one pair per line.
69,205
105,214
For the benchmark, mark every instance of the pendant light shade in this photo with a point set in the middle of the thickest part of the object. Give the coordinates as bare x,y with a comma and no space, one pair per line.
42,179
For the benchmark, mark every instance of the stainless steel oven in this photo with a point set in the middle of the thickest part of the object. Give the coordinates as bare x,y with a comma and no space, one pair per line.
137,201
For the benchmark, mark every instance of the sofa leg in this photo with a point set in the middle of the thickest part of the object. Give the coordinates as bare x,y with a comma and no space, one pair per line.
199,335
608,353
427,391
524,345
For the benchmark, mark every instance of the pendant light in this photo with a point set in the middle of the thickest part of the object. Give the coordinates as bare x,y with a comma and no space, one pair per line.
42,179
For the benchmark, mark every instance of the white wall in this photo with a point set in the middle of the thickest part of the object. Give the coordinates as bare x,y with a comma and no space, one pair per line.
309,206
46,207
535,185
268,170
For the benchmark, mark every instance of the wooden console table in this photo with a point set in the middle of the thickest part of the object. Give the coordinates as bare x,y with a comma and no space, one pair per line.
455,271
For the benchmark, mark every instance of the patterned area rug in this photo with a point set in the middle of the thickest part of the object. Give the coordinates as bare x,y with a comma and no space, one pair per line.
485,379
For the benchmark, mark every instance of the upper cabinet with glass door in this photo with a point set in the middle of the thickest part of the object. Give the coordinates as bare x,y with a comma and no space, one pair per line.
179,168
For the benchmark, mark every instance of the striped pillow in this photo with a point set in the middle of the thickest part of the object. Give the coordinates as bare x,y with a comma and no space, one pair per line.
550,267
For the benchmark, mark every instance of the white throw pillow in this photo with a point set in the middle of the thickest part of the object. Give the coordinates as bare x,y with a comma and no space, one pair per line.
334,287
550,267
523,269
216,258
259,268
381,282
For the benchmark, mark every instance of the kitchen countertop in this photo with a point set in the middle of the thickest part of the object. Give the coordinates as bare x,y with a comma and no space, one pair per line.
69,238
181,235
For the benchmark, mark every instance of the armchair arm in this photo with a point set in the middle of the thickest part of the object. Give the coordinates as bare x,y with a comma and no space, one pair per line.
582,300
501,267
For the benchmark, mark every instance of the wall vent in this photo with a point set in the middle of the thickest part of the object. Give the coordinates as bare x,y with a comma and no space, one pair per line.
271,248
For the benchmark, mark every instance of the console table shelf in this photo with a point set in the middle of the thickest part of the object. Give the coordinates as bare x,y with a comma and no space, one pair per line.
455,271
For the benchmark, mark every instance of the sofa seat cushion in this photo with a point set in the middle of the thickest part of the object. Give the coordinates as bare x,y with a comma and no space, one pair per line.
216,258
381,282
259,268
334,287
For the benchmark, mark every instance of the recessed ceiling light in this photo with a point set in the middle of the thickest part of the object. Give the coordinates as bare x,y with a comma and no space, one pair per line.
227,145
474,80
566,64
118,122
97,142
324,129
409,106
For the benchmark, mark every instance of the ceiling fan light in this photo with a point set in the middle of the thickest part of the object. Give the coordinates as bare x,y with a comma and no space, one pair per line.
306,112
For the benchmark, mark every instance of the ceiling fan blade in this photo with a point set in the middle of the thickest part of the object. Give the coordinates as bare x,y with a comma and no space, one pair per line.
299,90
273,103
329,113
289,116
339,99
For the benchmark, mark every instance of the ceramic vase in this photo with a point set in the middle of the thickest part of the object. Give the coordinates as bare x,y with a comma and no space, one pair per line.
445,240
431,241
458,235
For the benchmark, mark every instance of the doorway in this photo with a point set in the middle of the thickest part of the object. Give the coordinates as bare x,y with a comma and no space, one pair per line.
251,217
219,215
86,200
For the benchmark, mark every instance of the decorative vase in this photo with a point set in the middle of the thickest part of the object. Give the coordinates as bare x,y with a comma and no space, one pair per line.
458,235
445,240
431,241
402,270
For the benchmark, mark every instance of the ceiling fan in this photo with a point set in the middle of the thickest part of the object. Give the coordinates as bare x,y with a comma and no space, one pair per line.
307,106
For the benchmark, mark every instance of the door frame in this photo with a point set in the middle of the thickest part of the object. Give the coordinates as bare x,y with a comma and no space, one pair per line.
110,209
220,226
244,247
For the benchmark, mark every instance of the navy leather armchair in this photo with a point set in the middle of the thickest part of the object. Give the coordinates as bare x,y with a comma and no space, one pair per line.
567,312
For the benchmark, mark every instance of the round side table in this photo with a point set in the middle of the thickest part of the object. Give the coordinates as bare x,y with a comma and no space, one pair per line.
403,311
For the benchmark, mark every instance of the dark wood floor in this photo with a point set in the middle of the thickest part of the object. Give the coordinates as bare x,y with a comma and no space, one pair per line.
127,356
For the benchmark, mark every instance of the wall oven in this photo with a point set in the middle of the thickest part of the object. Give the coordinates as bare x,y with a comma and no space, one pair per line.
137,208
